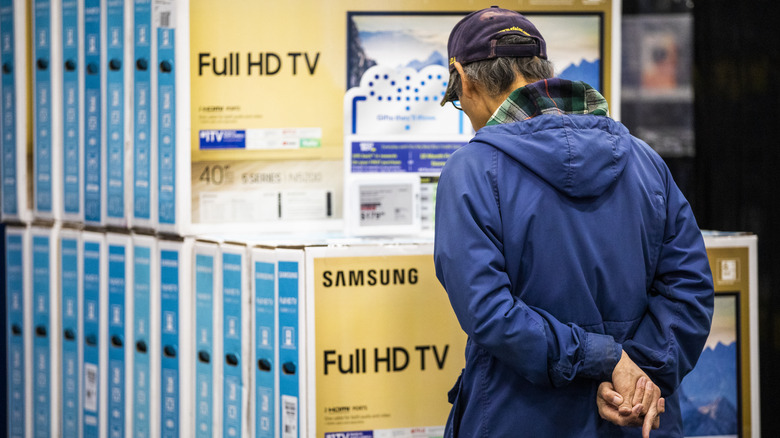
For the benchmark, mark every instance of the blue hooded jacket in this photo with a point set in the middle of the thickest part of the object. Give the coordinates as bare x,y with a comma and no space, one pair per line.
561,240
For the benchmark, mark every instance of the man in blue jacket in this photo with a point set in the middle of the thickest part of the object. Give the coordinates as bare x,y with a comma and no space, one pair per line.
569,255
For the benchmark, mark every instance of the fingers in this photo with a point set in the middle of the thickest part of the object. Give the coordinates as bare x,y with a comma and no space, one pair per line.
639,392
632,398
661,410
650,418
651,394
638,405
608,402
607,393
611,414
657,405
627,407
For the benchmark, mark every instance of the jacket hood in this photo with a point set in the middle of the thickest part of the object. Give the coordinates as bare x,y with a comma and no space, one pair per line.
579,155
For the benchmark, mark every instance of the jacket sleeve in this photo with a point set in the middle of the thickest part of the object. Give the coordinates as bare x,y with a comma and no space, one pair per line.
468,255
670,337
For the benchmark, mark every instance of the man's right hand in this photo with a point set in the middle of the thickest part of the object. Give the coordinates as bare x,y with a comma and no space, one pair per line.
631,399
608,401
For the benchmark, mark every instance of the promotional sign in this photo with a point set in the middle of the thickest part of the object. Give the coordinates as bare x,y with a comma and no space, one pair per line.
282,195
398,331
406,102
246,60
264,91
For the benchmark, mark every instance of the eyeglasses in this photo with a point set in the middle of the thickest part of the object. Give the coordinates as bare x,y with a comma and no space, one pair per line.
456,104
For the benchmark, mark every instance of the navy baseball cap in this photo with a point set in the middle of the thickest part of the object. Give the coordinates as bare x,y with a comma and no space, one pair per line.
474,37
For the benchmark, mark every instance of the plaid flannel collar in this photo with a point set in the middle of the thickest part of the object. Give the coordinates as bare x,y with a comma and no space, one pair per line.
550,96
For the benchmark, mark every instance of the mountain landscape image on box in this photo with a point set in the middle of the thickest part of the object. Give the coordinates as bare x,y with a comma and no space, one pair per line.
710,395
419,40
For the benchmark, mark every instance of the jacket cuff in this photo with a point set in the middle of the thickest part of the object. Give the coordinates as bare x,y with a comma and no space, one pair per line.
602,354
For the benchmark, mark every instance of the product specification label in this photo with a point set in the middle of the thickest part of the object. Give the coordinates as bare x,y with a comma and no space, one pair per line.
284,138
401,156
386,204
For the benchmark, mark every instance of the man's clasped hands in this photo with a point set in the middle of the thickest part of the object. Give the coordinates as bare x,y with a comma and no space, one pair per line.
631,398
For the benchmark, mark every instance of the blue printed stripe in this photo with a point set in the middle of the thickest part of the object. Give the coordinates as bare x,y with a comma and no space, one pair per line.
166,134
70,360
115,80
93,155
142,95
204,342
9,198
71,163
43,107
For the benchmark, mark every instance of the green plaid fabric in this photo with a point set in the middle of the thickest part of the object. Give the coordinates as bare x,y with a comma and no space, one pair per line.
550,96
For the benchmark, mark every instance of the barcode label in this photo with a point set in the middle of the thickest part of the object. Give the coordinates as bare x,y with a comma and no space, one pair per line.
162,13
289,416
90,387
165,19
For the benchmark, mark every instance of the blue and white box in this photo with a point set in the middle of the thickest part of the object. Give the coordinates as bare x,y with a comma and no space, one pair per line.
94,114
118,111
171,25
175,324
13,127
18,331
71,303
46,362
166,123
290,283
206,281
47,119
236,337
120,333
264,407
71,113
144,180
95,351
145,340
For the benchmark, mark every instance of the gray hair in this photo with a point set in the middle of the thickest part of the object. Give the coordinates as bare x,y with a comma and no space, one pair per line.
497,75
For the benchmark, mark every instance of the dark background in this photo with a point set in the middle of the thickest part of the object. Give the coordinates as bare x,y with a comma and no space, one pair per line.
732,178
